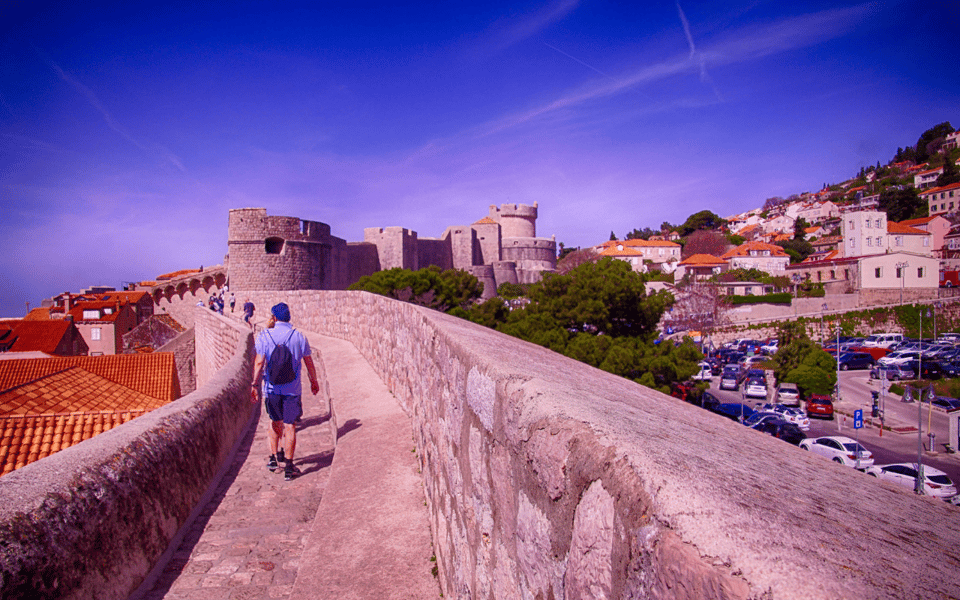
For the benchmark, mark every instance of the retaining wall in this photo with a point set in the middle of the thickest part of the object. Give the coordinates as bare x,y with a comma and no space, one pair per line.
546,478
92,520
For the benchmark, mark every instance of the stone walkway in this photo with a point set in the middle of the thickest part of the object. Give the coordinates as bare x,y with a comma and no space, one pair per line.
355,519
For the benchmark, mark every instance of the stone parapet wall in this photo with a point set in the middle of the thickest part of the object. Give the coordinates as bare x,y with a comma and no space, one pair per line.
546,478
92,520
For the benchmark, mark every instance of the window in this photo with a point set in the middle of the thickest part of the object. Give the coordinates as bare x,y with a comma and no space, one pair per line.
851,224
899,241
919,272
95,334
878,272
846,274
91,314
273,245
899,272
868,223
869,242
926,241
853,243
878,224
833,274
879,242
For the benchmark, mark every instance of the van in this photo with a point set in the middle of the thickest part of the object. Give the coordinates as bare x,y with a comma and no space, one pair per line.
883,340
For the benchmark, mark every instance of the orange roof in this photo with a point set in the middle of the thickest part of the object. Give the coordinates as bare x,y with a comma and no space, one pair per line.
748,229
783,237
170,322
179,273
936,190
920,221
613,251
811,229
641,243
901,229
486,221
153,375
28,438
121,297
33,335
38,314
77,311
703,260
72,390
747,247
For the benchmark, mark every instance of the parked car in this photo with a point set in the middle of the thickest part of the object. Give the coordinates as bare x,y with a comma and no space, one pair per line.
882,340
950,338
947,404
899,357
855,360
751,374
755,387
705,373
927,369
935,482
770,347
892,372
819,405
760,417
783,430
734,410
787,413
839,449
951,369
729,380
787,393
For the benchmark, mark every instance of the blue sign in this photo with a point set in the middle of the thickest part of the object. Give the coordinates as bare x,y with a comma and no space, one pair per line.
858,419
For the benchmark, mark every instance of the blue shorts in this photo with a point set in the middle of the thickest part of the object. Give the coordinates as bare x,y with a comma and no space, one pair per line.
284,408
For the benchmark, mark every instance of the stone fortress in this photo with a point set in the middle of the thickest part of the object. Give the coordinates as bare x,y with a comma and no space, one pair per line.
288,253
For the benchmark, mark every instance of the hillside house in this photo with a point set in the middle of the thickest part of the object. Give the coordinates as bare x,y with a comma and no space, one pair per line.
637,252
942,200
700,267
102,324
758,255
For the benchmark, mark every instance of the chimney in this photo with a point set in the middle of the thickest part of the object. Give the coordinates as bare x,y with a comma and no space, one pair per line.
66,303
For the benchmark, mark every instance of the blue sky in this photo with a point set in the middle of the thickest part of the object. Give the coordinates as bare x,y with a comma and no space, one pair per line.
128,130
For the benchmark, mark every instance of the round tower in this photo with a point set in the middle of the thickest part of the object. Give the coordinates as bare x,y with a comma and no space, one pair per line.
516,220
275,253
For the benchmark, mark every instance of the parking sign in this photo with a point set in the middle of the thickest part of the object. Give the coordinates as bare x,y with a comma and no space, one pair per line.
858,419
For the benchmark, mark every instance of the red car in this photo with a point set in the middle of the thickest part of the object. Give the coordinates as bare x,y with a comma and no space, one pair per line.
819,405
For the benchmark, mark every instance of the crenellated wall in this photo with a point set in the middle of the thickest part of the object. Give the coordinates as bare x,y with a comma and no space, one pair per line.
546,478
92,520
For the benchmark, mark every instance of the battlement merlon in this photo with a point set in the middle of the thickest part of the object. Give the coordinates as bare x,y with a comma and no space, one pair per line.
516,220
253,224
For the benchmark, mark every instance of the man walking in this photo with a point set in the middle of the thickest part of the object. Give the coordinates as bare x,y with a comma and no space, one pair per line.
286,347
248,309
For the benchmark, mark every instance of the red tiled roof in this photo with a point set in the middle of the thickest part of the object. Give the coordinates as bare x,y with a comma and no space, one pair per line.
937,190
641,243
28,438
703,260
176,274
485,221
72,390
78,309
122,297
745,249
613,251
920,221
901,229
33,335
153,375
38,314
170,322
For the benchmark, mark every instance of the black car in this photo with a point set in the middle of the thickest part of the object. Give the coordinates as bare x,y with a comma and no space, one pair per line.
734,410
855,360
787,432
929,369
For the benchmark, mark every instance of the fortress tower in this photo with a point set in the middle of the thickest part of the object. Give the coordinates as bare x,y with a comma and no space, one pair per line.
516,220
279,253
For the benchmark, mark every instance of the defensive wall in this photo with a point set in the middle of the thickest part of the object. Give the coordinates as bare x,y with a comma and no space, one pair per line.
544,478
91,521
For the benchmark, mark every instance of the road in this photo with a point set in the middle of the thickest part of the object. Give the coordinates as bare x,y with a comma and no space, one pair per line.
855,388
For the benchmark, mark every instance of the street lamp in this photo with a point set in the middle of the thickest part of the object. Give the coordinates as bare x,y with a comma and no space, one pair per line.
936,305
902,274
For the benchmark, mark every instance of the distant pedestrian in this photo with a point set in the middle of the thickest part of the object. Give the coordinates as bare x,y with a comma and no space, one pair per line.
233,301
248,309
281,348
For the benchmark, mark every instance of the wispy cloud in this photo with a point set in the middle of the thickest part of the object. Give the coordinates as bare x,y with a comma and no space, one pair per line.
694,55
112,123
506,33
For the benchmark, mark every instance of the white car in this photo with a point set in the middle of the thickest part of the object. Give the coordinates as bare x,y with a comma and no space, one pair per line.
787,393
899,357
770,348
705,373
755,388
840,449
935,482
788,413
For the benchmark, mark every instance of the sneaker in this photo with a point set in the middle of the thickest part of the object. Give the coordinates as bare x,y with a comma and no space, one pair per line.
272,463
291,471
281,459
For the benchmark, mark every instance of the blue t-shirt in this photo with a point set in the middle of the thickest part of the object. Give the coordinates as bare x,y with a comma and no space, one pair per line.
268,339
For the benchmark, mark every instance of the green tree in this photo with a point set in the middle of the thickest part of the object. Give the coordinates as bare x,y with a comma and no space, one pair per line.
701,220
803,362
950,174
430,287
613,237
798,249
928,142
902,204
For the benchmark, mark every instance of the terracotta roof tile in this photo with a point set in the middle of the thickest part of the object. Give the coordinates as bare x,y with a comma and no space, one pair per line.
745,249
641,243
703,260
613,251
33,335
153,374
170,322
73,390
177,274
28,438
485,221
38,314
920,221
901,229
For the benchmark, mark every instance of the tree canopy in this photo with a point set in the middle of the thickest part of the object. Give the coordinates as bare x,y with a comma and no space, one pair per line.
701,220
799,360
430,287
902,204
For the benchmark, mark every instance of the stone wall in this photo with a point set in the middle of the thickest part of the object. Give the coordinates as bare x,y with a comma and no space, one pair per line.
546,478
183,348
92,520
